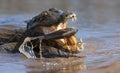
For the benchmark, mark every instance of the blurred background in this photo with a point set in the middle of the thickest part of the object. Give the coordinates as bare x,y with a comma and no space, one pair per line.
90,13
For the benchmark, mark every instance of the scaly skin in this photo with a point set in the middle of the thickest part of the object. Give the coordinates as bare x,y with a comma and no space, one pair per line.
52,22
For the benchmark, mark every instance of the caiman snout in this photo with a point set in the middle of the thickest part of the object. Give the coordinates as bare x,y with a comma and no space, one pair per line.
68,15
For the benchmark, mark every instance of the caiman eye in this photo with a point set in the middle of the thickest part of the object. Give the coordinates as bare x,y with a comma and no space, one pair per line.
45,13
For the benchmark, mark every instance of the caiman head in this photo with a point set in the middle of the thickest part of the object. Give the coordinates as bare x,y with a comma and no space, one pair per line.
50,20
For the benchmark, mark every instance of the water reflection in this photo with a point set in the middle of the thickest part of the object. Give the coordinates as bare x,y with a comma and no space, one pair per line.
56,66
19,64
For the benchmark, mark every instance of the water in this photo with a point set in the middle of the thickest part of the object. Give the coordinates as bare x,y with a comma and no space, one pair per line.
98,22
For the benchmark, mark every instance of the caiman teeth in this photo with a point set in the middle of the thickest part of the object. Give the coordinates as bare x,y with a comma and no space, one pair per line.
73,16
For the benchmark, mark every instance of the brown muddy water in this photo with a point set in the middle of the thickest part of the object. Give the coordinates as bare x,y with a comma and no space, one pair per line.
99,26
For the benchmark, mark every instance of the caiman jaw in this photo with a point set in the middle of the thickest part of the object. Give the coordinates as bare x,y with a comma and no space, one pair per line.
64,25
61,25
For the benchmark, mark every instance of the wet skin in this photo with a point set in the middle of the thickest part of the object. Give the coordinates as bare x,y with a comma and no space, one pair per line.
52,26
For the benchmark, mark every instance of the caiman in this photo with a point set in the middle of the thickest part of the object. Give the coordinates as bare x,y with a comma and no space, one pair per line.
48,35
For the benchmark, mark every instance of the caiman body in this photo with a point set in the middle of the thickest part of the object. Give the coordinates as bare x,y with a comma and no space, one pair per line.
49,35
